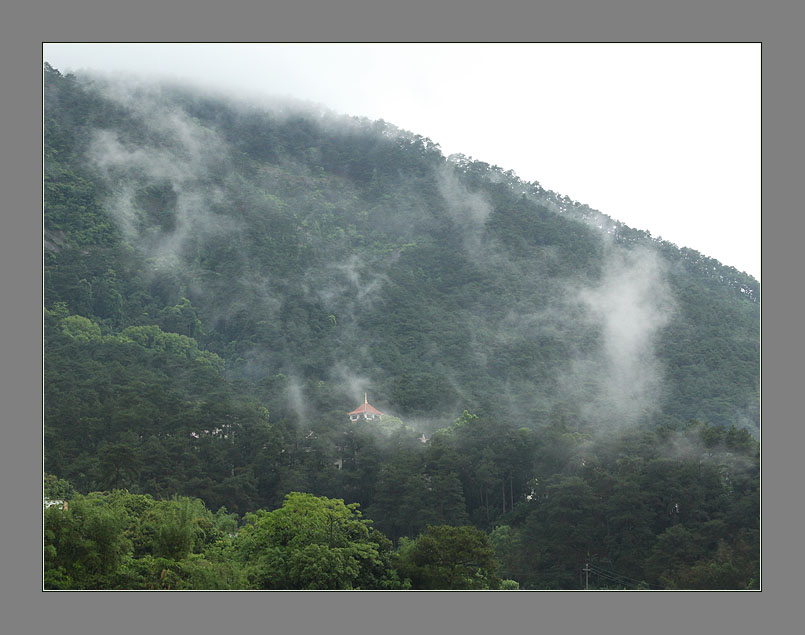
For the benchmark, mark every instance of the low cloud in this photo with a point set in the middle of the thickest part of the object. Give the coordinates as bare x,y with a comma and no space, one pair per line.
629,306
468,210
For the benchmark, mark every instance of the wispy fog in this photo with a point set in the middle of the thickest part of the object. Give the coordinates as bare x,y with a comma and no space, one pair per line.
612,381
630,305
177,163
469,210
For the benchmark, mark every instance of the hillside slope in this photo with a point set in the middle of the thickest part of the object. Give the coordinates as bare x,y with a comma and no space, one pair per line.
350,252
223,281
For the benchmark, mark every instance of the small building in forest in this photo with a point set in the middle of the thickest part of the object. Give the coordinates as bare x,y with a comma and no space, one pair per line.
366,410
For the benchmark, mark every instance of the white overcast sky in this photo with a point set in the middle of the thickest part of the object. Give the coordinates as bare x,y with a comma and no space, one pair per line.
664,137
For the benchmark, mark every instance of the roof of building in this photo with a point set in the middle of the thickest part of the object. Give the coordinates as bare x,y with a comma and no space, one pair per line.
366,407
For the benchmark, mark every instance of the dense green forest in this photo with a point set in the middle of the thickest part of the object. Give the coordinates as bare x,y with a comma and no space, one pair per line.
223,281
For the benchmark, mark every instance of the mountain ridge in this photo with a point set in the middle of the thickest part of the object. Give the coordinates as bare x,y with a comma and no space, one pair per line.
303,204
224,283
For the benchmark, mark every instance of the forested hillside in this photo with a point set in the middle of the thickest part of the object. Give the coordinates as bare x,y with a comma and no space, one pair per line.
224,280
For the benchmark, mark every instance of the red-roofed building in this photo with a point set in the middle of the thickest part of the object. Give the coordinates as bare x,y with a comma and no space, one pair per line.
365,410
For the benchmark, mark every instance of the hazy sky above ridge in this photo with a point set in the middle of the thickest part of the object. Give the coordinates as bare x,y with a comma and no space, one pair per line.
664,137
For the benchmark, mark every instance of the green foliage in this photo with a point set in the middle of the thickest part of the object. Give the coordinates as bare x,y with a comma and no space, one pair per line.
650,507
80,328
119,540
357,215
505,543
445,557
84,544
152,337
315,543
731,567
57,488
319,253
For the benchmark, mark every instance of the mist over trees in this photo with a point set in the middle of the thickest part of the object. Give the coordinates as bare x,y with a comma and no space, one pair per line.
224,280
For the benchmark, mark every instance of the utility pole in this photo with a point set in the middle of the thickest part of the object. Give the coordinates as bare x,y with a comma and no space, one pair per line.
586,576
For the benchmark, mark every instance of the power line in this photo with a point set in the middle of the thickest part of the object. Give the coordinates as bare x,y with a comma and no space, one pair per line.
617,580
620,578
625,577
613,576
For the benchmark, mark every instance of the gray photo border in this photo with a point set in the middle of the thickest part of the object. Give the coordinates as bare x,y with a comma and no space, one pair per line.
27,610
